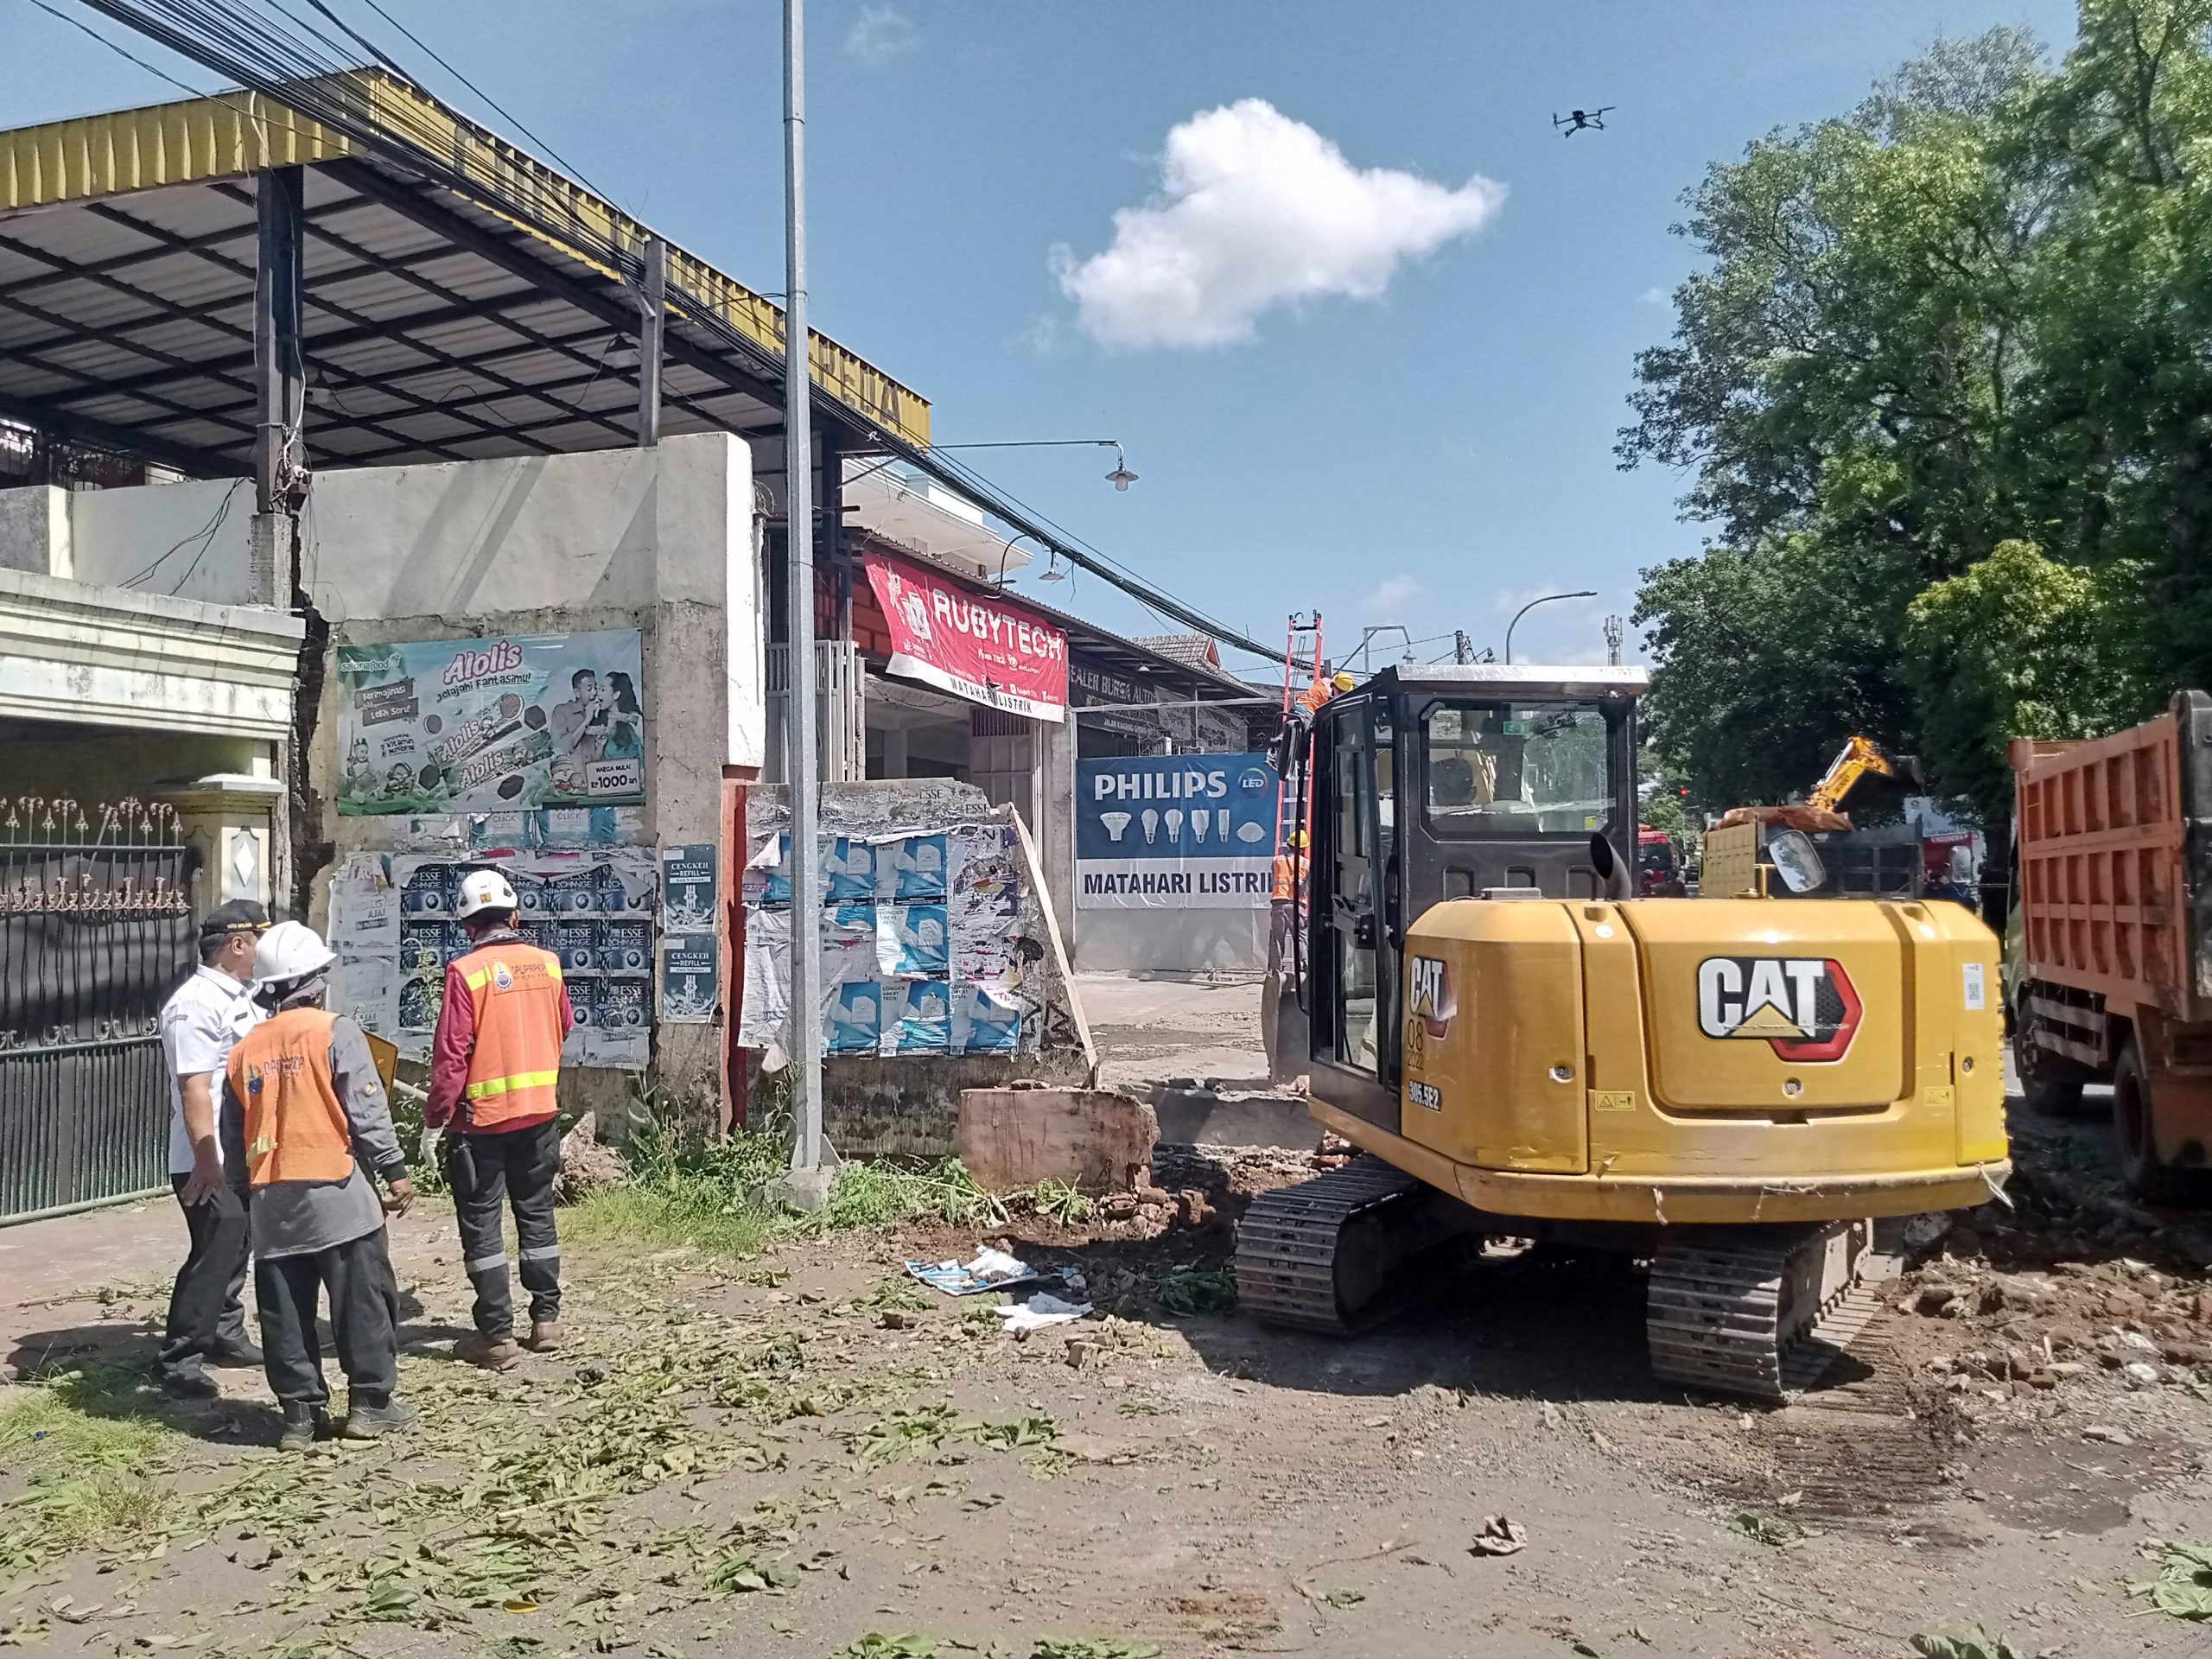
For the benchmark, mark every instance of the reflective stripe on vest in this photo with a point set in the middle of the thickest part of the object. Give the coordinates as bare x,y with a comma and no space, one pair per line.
295,1126
516,991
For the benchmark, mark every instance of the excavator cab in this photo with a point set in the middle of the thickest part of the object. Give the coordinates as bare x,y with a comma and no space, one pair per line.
1437,783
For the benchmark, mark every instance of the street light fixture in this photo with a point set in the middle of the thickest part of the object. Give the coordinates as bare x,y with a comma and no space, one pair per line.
1120,477
1585,593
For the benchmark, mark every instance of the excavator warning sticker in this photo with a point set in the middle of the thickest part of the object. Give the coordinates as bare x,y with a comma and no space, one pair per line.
1805,1006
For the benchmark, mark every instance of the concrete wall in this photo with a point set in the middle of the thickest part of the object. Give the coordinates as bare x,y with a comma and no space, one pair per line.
34,530
1171,941
186,539
656,540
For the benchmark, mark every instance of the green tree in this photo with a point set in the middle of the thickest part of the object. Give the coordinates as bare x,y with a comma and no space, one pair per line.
1766,659
2021,646
1975,312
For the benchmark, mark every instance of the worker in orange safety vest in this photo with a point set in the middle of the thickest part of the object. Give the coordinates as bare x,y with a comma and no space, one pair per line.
304,1121
1324,686
495,1069
1286,895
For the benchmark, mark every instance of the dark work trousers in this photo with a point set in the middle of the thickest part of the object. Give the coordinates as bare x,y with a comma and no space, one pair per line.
519,1165
364,1316
207,1307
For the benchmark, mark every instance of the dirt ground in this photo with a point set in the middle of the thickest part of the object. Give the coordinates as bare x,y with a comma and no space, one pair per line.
788,1453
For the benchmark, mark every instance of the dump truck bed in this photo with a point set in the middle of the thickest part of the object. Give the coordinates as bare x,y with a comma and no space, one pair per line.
2113,887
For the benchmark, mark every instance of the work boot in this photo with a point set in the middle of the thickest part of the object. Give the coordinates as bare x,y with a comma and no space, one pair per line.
370,1415
544,1337
304,1425
493,1353
195,1385
242,1354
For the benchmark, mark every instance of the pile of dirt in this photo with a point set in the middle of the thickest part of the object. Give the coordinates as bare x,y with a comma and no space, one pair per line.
1229,1178
2073,1288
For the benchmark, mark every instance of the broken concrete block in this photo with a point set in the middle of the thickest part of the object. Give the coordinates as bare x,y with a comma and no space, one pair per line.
1093,1139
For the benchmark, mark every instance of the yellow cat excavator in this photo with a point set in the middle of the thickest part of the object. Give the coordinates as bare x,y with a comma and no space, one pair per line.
1735,1088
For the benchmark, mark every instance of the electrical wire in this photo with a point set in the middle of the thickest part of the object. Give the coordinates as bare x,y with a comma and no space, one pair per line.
207,531
271,51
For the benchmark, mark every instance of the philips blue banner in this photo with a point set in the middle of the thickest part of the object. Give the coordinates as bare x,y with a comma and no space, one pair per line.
1175,832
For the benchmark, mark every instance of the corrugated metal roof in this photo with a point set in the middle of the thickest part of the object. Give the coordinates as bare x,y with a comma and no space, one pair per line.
437,327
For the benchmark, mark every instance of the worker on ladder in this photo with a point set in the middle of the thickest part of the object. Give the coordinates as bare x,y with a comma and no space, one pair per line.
495,1072
1286,897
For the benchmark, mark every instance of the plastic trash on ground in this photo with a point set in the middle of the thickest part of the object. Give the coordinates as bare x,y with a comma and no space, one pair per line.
990,1270
1040,1310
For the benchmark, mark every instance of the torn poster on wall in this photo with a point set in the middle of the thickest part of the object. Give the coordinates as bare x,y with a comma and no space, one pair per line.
393,928
920,943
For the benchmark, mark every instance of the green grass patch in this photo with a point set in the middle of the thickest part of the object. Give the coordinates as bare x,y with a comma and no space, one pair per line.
647,1218
95,1441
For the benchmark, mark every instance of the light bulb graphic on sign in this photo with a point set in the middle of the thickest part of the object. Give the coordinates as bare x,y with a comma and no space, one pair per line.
1150,819
1115,822
1174,824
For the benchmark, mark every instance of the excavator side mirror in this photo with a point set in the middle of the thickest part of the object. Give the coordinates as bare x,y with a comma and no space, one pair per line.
1797,860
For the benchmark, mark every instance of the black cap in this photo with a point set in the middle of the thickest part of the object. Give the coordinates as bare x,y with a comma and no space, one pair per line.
239,916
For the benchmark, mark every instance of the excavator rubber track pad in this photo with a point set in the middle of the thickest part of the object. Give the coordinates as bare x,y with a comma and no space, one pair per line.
1759,1312
1323,1256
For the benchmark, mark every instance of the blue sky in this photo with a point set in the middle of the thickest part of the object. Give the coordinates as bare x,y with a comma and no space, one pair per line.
1430,454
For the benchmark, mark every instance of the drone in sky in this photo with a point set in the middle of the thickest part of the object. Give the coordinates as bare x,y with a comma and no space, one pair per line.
1582,120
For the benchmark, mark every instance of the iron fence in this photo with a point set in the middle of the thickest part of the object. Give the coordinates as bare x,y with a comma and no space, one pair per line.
95,932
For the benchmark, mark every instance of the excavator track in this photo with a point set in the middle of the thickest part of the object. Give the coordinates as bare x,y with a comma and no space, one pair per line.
1325,1254
1761,1311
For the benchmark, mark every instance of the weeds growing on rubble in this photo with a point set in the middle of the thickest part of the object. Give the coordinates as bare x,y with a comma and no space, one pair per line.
688,1188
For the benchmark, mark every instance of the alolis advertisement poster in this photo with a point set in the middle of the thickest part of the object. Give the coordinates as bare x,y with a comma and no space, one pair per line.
502,723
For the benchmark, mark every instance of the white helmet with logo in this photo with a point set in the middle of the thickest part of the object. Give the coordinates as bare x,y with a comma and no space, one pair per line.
486,890
288,952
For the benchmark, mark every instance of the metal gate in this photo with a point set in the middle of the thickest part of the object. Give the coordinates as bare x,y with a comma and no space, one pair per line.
95,931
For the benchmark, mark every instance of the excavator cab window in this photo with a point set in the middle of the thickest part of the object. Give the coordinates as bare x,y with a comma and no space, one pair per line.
1516,769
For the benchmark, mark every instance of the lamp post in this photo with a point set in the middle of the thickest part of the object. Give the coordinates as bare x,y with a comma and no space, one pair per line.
1585,593
808,1183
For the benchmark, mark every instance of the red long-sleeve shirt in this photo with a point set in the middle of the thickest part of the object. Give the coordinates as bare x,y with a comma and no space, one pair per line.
455,1042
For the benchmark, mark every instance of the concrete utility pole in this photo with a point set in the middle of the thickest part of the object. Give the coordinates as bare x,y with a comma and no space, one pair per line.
1463,650
1614,634
809,1185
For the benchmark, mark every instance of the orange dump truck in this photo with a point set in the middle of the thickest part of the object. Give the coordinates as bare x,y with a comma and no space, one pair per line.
2112,980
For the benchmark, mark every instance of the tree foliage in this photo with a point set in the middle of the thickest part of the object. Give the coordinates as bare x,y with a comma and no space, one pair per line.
2018,646
1975,312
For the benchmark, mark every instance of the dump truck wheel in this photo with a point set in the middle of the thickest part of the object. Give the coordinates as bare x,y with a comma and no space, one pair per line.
2133,1132
2051,1082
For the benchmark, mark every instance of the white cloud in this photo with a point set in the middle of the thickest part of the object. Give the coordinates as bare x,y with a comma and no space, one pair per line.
1657,298
881,34
1255,211
1390,595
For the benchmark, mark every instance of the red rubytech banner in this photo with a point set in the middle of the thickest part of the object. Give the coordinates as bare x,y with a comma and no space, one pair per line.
984,649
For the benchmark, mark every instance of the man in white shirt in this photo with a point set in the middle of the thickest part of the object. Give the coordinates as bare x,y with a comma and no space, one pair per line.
199,1024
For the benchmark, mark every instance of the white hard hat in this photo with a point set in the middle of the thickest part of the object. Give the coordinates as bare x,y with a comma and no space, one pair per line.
486,890
290,950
